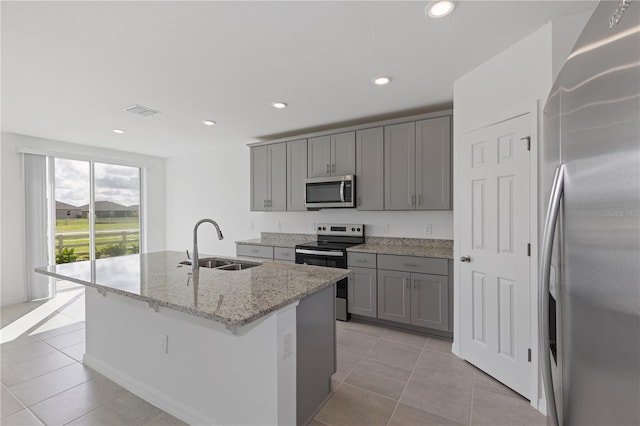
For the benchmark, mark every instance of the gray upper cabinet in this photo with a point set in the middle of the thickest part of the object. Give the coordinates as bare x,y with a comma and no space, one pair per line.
433,164
332,155
370,169
399,166
319,157
394,296
269,177
430,301
417,168
296,174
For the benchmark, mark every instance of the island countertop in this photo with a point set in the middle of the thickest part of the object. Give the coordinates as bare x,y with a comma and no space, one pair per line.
235,298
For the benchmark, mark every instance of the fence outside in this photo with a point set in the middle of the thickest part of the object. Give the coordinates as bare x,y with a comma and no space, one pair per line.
103,238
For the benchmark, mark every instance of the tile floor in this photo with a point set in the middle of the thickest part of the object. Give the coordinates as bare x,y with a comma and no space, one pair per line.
384,376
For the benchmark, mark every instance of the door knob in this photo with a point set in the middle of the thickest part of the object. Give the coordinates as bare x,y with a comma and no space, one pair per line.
465,259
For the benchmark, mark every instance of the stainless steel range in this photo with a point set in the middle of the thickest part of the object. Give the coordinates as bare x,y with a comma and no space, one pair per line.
331,250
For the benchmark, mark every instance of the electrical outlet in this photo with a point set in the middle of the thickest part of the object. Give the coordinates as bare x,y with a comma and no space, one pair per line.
428,229
278,226
386,228
287,345
313,228
164,343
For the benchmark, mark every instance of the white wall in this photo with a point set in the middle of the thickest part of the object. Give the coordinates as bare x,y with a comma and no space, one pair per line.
217,185
12,280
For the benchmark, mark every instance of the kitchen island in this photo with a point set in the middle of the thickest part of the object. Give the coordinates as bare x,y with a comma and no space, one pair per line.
251,346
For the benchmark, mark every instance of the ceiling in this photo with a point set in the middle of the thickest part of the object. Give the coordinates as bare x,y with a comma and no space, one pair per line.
70,68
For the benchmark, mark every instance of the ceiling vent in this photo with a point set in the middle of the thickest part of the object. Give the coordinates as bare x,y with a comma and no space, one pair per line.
141,111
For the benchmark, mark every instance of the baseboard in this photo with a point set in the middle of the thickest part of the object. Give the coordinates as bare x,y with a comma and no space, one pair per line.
542,406
149,394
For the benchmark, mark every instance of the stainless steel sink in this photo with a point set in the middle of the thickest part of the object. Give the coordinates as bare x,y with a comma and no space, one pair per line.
222,264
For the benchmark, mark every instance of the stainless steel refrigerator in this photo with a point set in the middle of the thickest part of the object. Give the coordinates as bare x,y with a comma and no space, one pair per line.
590,244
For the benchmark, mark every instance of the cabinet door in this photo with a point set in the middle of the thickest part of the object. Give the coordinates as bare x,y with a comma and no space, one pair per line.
370,169
259,177
430,301
363,292
319,156
277,177
296,174
399,166
394,296
343,154
433,164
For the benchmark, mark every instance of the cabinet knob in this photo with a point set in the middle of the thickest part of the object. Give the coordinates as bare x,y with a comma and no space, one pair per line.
465,259
328,168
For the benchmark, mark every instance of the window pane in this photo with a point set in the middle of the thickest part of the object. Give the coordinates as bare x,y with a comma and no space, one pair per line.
72,210
117,207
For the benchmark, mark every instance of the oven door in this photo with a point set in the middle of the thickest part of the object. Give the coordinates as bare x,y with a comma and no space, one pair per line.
330,192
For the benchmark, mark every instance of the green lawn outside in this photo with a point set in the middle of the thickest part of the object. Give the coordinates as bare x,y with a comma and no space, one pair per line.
102,224
80,243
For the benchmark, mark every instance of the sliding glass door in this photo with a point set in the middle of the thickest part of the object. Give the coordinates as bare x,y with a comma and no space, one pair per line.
97,210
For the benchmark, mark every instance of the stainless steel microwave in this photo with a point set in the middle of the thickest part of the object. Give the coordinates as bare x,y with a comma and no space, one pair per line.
330,192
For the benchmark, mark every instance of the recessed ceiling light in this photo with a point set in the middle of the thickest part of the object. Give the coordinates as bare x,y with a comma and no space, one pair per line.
278,104
440,9
381,81
208,122
119,131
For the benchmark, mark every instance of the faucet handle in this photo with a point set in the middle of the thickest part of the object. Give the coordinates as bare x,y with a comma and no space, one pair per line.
188,255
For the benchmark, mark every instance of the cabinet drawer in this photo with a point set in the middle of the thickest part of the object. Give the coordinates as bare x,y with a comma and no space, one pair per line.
284,253
361,260
425,265
264,252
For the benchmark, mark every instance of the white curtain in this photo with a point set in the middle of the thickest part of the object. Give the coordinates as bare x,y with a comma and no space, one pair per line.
36,217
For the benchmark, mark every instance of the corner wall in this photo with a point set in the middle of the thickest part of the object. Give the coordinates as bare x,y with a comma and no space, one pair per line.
12,222
217,185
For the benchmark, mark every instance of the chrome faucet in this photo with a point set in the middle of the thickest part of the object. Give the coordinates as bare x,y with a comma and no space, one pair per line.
195,265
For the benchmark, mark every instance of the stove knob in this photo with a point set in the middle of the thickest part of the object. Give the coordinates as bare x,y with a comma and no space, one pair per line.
324,228
319,228
358,229
353,229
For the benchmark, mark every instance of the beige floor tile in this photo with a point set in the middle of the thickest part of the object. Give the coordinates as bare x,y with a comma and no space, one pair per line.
50,384
492,409
66,340
354,342
77,401
351,406
14,354
23,339
21,372
314,422
409,416
368,329
101,416
448,399
445,366
165,419
380,378
341,325
483,381
396,354
11,313
8,404
133,409
22,418
346,362
404,337
68,327
76,351
438,345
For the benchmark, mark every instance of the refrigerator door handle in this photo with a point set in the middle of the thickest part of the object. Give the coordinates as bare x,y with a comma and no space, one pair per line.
553,211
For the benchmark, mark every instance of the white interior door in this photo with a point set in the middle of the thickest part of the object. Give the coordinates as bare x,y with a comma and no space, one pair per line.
495,263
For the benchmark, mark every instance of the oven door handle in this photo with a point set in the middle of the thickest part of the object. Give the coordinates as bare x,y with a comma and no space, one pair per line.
320,253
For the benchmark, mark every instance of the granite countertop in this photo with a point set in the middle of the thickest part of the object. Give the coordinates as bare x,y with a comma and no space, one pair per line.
280,239
406,247
235,298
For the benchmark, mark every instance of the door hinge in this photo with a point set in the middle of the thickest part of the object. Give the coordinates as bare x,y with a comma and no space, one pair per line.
529,355
528,139
529,249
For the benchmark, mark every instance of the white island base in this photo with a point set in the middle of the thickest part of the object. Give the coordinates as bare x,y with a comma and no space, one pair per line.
274,371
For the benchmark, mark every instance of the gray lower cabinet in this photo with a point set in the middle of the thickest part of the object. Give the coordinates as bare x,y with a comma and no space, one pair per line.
254,251
296,174
370,169
430,301
363,292
269,177
394,296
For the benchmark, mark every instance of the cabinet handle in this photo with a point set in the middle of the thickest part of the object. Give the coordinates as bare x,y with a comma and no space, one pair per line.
410,265
406,284
333,167
359,201
269,203
414,286
327,168
254,250
362,261
264,204
419,199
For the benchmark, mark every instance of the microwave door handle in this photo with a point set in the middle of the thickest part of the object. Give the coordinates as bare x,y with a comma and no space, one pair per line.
342,191
555,199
